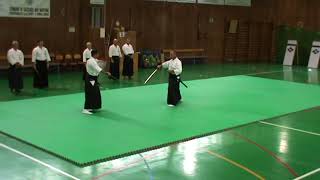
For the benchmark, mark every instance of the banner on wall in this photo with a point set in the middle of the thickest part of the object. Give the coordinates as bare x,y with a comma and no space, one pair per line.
25,8
238,2
100,2
182,1
177,1
214,2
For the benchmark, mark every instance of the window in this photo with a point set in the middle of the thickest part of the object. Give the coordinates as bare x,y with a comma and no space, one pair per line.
97,17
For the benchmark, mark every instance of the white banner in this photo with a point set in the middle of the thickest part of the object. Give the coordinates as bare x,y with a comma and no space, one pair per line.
314,55
290,52
25,8
100,2
238,2
214,2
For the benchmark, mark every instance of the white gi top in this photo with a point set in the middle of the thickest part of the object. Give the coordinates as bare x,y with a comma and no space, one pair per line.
173,64
40,54
92,67
114,51
86,54
15,56
127,49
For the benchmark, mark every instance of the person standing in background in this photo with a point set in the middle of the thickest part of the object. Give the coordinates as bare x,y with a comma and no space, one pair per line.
16,61
40,59
85,57
115,55
128,59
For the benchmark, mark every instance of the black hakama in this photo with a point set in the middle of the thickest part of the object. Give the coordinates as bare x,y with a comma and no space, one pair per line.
114,67
92,93
40,79
15,78
84,71
128,66
174,95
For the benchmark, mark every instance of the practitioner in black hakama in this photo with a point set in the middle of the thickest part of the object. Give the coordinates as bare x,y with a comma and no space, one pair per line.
40,59
92,89
174,67
16,62
128,59
115,55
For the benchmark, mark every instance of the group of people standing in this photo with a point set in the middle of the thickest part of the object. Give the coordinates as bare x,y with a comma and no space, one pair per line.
40,59
115,54
91,71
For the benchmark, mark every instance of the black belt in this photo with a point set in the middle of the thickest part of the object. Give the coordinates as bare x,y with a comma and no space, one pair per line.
173,75
92,77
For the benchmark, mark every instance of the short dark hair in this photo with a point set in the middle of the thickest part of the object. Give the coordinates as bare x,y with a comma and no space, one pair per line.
94,52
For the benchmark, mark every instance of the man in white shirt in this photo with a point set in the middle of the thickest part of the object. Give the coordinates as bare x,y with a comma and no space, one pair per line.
40,59
92,89
174,67
128,59
86,56
115,55
16,62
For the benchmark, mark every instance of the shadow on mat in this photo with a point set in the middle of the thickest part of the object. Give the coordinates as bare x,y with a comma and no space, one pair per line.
108,115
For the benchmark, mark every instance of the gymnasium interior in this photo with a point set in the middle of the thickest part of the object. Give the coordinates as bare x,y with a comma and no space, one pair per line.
249,85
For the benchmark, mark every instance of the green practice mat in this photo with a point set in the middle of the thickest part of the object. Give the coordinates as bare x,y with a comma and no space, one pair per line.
137,119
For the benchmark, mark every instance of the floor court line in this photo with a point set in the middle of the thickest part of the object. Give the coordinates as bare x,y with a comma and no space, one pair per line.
308,174
39,162
290,128
236,164
125,167
286,165
266,72
249,74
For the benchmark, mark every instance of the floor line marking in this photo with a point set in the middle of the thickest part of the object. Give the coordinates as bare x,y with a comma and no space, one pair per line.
39,162
125,167
308,174
291,170
148,167
236,164
266,72
294,129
